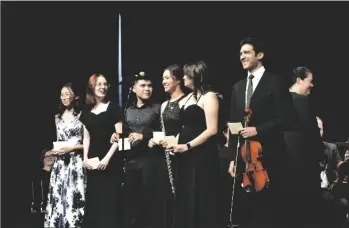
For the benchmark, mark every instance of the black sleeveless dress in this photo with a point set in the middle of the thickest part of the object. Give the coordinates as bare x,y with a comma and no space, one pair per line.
196,174
171,126
171,117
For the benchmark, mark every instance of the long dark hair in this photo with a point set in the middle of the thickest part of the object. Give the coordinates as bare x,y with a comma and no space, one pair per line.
75,103
199,73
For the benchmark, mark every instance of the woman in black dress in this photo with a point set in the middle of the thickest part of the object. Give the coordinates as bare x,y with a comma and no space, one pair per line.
196,168
304,151
101,118
172,81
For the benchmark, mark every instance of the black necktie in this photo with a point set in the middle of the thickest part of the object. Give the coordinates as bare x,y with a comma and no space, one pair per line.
249,90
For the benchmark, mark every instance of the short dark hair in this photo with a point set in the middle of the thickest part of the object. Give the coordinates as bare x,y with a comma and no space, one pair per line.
139,77
256,43
300,72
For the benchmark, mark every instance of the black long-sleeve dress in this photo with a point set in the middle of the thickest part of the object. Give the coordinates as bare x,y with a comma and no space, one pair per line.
301,169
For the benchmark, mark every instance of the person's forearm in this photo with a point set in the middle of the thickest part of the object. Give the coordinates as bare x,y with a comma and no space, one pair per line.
112,150
86,146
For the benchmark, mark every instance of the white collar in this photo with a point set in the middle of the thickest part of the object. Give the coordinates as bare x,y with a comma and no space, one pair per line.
257,74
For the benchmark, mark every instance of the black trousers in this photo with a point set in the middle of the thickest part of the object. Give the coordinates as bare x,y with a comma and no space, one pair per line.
258,209
335,210
147,196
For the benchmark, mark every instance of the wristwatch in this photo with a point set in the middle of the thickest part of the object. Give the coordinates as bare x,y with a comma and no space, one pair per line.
189,146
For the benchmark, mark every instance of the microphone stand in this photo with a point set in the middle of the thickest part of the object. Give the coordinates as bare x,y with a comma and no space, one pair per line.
124,122
231,225
42,208
32,209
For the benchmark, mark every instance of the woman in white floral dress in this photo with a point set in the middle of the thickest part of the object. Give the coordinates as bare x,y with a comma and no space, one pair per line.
66,197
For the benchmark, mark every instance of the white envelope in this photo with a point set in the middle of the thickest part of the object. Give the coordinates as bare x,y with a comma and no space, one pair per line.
235,128
171,140
158,135
126,144
93,162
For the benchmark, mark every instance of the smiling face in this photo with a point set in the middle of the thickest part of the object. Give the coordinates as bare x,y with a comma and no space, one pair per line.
305,85
169,82
143,89
249,59
101,88
67,96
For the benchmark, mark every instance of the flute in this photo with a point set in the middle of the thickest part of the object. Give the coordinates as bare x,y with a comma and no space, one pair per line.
168,162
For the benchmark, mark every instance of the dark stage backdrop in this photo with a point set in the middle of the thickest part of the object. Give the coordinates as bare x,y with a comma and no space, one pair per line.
45,45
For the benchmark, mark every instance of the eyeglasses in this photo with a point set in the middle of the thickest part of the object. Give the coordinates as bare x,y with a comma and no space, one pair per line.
65,95
102,85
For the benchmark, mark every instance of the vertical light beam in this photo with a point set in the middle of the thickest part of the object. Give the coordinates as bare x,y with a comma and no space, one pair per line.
120,63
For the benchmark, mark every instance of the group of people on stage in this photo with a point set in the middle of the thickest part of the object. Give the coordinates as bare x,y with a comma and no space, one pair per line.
197,181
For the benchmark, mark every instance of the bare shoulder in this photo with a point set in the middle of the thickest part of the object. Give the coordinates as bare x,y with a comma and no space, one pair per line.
164,103
208,100
211,96
57,117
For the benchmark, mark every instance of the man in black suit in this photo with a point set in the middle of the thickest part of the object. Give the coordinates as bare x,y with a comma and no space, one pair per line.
270,102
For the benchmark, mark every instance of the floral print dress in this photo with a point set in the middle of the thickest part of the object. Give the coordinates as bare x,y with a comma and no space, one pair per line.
66,196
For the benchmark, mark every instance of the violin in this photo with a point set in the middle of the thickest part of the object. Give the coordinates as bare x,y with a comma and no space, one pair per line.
255,176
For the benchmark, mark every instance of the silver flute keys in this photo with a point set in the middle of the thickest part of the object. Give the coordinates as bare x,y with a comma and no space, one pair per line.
170,175
168,159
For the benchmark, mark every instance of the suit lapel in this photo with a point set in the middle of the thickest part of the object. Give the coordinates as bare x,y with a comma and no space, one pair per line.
262,88
242,93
